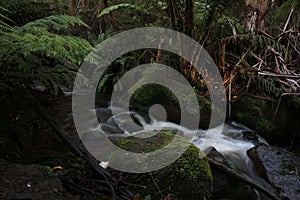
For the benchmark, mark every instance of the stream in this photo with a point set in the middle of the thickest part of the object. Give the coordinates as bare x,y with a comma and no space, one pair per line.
228,139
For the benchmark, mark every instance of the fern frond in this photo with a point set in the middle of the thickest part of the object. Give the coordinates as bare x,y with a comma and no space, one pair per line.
3,25
56,22
268,86
285,8
32,54
119,6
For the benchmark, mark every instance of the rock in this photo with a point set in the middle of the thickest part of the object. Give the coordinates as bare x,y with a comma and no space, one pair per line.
280,168
250,136
212,152
258,114
224,186
148,95
103,114
189,177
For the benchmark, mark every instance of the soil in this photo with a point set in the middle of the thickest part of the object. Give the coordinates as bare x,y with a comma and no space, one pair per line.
20,182
30,150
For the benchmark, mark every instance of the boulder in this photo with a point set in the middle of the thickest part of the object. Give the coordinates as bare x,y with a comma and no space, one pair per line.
224,185
279,127
280,168
148,95
189,177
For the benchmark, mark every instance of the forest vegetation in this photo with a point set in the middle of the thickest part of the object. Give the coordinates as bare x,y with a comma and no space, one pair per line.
255,45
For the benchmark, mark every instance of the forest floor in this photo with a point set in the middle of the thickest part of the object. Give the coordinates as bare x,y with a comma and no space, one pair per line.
34,163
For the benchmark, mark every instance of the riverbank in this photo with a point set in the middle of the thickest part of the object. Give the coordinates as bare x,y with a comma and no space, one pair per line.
27,140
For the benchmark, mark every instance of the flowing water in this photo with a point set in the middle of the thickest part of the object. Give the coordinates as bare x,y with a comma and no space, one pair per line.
228,139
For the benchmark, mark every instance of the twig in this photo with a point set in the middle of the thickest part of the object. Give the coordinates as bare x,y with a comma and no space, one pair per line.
288,19
157,187
279,75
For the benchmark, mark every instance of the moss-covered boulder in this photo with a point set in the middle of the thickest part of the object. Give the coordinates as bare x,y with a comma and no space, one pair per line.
147,95
189,177
259,114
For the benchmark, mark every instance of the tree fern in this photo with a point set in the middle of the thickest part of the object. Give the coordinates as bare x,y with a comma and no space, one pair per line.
32,54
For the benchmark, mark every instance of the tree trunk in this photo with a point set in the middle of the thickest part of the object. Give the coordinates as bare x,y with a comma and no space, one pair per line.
175,15
189,17
72,7
82,4
256,15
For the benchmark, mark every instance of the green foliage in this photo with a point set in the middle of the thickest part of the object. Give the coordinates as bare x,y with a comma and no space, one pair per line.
115,71
3,19
262,41
215,20
24,11
285,8
55,22
122,5
33,55
47,170
148,197
269,86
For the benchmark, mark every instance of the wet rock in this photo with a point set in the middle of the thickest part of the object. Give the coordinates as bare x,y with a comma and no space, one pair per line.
109,129
250,136
280,168
224,186
212,153
103,114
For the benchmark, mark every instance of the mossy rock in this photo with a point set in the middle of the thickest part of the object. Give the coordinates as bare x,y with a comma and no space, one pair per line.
147,95
189,177
259,114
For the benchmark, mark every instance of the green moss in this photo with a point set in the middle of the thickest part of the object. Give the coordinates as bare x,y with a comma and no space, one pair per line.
259,114
147,95
189,177
193,173
126,141
150,94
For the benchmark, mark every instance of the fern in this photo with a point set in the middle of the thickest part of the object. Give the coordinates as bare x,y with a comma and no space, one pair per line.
263,41
122,5
3,19
285,8
32,54
55,22
269,87
25,11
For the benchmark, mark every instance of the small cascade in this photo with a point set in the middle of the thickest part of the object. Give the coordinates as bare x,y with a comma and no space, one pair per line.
232,140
